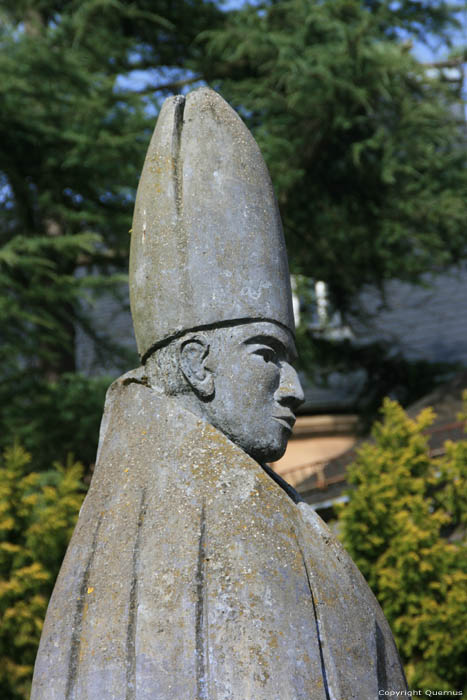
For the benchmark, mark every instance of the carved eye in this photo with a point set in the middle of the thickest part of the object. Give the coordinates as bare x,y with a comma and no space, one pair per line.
268,354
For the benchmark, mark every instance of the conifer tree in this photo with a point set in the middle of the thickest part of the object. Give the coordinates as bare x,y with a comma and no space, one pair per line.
366,146
81,84
405,527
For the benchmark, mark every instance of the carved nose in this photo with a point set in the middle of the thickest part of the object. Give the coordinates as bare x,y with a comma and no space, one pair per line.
290,392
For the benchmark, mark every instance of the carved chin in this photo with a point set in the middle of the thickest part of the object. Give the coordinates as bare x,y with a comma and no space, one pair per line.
270,452
265,445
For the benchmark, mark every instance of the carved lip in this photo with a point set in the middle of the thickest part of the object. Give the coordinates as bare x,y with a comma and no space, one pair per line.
286,419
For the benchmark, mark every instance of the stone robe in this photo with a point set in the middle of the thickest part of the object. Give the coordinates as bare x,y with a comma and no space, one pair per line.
194,574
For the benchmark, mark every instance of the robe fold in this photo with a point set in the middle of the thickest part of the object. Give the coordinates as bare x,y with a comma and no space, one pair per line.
192,574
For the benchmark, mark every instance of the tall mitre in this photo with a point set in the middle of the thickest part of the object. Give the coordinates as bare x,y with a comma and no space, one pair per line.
207,245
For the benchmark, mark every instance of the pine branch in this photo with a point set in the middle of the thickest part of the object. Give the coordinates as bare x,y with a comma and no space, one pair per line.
448,63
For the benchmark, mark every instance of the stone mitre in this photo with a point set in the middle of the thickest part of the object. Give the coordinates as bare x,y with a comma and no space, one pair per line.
207,245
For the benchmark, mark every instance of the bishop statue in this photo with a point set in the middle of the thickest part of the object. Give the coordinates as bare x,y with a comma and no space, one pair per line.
195,572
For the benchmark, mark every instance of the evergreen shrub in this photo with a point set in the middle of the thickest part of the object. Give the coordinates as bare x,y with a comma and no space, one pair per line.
404,526
38,511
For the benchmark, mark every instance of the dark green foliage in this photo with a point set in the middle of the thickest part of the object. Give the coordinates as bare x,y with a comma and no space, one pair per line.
405,527
53,419
366,149
37,515
71,151
75,119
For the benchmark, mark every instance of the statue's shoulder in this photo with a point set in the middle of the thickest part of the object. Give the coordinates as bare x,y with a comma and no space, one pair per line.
133,379
120,401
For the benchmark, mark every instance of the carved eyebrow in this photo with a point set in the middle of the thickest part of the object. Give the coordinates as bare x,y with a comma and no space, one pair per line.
275,344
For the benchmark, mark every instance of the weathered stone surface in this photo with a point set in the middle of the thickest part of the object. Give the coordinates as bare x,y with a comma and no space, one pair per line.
194,571
207,243
193,574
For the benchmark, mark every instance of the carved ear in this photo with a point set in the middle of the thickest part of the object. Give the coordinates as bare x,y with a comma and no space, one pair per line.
193,364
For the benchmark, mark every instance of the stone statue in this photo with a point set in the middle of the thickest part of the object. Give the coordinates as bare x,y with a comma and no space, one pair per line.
194,571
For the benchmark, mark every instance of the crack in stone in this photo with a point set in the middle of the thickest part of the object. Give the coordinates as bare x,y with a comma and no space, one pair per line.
176,143
133,607
201,617
75,645
317,625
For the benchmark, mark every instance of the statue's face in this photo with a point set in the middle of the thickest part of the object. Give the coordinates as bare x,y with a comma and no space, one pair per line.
256,389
